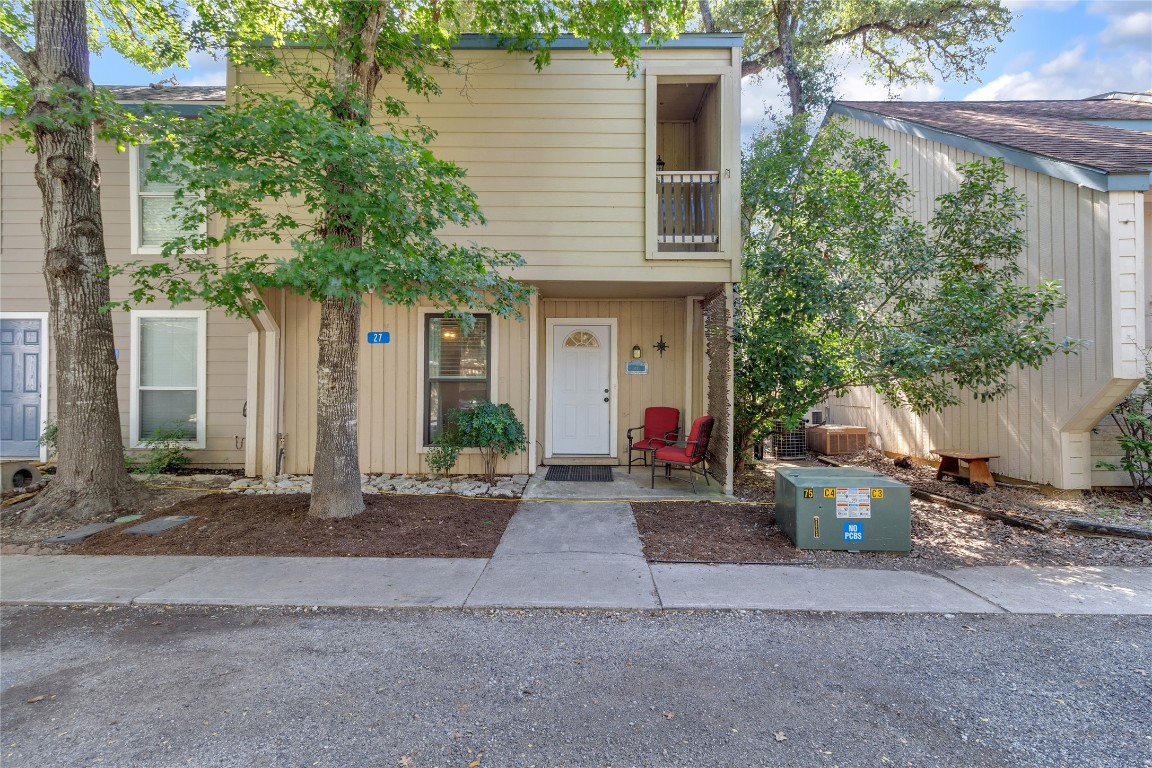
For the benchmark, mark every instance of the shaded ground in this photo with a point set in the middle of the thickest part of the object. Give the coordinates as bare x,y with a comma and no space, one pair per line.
449,526
710,532
391,526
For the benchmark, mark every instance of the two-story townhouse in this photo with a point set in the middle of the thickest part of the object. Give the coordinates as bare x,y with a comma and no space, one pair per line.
182,368
1083,166
621,194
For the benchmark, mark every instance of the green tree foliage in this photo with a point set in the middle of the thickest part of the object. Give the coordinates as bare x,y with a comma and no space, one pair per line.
902,42
842,287
340,170
1133,419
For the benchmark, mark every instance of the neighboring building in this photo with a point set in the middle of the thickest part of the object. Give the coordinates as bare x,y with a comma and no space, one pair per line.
181,367
1084,169
564,162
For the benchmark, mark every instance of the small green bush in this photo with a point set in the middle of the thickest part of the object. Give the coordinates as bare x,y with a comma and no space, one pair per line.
1133,417
166,451
50,438
492,428
443,454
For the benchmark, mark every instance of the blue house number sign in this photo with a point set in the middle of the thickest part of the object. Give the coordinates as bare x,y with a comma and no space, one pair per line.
379,337
853,531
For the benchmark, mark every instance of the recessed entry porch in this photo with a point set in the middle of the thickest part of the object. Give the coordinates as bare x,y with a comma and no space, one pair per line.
603,360
625,487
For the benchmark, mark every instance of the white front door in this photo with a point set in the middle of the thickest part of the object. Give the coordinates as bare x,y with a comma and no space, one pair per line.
581,389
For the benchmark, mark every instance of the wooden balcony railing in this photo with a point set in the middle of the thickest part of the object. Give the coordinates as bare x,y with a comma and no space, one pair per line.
689,206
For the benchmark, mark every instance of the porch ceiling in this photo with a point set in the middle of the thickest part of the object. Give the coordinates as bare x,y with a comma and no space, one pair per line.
593,289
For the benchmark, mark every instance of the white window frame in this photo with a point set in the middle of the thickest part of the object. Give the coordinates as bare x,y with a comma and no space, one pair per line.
135,215
201,317
422,366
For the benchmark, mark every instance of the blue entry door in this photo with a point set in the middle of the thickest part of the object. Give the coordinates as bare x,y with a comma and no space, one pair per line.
21,344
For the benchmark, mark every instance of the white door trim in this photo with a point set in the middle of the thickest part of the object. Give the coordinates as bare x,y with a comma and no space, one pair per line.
549,353
45,339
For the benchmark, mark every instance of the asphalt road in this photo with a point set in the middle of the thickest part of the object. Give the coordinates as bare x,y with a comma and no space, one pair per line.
278,687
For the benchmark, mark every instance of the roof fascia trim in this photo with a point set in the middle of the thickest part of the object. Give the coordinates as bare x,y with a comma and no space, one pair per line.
1076,174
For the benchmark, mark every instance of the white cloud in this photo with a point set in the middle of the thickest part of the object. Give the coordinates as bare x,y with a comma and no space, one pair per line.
1070,75
203,70
1130,30
1038,5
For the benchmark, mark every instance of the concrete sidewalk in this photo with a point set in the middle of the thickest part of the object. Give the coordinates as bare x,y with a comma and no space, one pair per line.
560,553
564,580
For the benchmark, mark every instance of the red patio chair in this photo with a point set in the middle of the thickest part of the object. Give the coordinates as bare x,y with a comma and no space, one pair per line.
659,422
687,454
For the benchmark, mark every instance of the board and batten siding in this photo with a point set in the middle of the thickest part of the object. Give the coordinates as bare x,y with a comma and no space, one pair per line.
22,289
390,387
557,159
672,377
1069,240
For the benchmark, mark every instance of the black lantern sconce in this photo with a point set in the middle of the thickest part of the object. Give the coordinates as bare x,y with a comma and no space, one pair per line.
661,346
636,352
660,164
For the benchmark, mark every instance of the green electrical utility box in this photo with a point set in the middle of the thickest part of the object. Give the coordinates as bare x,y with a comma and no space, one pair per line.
844,508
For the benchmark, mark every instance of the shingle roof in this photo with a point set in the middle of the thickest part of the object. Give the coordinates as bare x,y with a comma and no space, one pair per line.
1052,129
167,93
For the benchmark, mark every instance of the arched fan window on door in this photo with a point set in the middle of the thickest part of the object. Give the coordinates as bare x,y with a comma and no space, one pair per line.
582,339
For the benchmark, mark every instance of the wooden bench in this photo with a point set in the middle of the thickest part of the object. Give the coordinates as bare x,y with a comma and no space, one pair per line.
977,465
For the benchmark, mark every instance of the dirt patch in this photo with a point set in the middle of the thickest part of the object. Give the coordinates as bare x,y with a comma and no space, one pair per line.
390,526
712,532
942,537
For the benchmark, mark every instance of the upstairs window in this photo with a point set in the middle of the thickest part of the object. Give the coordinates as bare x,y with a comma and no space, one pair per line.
153,207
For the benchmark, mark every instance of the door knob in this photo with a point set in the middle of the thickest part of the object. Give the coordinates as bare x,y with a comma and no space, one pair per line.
605,399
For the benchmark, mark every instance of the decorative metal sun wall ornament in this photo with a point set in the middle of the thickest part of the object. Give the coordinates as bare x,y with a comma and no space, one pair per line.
661,346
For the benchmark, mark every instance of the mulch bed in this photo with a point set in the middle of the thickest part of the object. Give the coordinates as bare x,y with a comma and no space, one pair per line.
390,526
706,531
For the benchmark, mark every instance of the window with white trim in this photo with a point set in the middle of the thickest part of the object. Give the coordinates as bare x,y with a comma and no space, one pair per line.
154,222
168,375
456,368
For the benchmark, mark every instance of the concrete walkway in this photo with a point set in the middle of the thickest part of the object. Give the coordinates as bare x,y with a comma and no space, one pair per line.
570,545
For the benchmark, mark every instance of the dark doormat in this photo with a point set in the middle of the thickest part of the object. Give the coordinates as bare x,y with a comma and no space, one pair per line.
575,473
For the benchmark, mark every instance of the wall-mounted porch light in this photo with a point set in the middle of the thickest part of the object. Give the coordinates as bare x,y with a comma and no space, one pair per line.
636,351
660,164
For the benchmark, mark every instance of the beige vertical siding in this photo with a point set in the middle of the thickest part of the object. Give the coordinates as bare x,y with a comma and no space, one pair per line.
1067,240
22,289
391,379
638,322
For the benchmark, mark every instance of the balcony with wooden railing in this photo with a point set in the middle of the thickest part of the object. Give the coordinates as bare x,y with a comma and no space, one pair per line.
688,207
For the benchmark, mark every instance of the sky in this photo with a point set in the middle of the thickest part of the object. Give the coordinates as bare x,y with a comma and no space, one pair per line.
1058,49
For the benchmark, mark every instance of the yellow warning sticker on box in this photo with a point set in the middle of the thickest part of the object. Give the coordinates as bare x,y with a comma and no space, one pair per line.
854,503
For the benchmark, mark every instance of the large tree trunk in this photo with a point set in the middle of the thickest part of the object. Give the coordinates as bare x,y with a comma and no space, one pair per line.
90,478
786,23
336,488
336,465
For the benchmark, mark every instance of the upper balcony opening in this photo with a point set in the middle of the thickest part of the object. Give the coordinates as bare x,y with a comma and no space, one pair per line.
688,164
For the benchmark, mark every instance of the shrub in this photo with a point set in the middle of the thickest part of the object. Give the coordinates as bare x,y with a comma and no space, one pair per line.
494,429
166,450
1133,416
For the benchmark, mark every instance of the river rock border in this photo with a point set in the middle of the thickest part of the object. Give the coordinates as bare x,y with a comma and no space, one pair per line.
420,485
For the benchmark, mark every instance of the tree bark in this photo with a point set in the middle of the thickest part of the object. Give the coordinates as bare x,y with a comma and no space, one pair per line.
785,30
336,488
91,478
336,466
